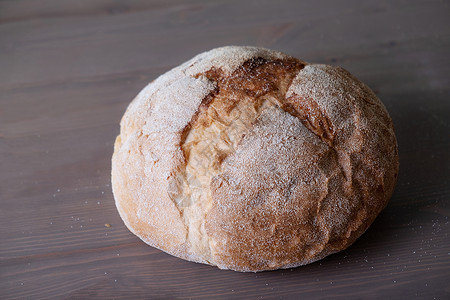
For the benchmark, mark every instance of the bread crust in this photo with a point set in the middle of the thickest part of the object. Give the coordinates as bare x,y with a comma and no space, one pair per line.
251,160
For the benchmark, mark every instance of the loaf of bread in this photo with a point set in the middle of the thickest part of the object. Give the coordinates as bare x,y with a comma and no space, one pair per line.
249,159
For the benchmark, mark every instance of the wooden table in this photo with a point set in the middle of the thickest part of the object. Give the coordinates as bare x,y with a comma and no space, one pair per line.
68,69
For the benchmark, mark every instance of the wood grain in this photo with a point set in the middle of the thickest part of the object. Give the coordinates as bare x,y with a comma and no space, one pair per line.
68,69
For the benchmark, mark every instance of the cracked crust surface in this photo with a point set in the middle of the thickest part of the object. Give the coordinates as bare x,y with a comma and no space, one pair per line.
249,159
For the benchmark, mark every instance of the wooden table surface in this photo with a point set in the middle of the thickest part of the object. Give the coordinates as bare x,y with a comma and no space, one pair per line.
68,70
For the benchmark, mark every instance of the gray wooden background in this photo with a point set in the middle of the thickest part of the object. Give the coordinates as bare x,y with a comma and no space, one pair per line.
68,69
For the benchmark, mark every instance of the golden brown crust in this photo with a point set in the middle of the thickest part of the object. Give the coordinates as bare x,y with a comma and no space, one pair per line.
252,160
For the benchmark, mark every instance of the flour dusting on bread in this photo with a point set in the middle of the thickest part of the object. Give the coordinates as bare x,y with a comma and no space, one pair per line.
251,160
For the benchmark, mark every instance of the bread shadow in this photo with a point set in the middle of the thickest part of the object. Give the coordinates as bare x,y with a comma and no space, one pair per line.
422,125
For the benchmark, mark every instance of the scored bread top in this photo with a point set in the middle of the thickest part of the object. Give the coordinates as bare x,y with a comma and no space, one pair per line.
250,160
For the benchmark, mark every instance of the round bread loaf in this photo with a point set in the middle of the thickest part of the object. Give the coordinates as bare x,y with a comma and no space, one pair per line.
249,159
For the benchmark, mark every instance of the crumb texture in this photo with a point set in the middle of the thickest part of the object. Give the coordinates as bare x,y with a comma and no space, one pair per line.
252,160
